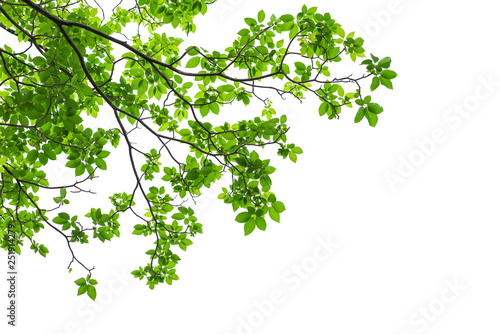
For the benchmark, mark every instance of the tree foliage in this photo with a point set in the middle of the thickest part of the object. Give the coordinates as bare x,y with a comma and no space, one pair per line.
72,61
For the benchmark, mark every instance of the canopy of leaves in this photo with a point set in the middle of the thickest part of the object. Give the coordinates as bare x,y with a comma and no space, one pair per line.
72,59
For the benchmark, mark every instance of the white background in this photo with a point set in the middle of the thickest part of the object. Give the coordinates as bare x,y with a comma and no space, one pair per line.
399,248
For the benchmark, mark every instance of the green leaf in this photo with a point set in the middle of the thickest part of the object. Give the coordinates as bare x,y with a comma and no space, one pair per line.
243,217
137,72
278,206
185,132
49,152
261,223
226,88
73,163
64,215
292,156
82,289
143,86
386,82
39,60
312,10
80,281
187,242
249,226
270,169
178,216
287,18
91,292
193,62
86,90
359,115
80,170
59,220
241,161
358,42
372,118
323,108
192,174
385,62
243,32
293,31
261,16
204,110
215,108
300,65
250,21
375,108
162,88
274,214
101,163
103,154
375,83
32,156
388,74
